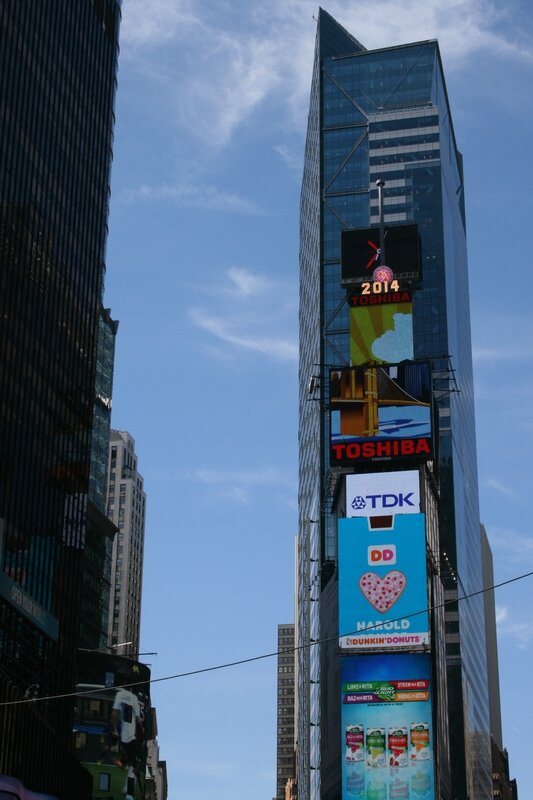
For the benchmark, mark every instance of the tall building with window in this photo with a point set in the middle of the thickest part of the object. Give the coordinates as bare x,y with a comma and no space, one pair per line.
96,576
285,765
384,115
57,88
126,507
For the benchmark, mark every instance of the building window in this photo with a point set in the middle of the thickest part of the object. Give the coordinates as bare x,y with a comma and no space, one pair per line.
94,708
104,781
80,740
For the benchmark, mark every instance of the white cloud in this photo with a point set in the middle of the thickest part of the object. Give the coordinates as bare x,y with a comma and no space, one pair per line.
294,160
249,307
209,198
237,57
499,352
500,487
464,27
151,25
512,548
246,283
501,337
521,632
265,476
283,349
238,486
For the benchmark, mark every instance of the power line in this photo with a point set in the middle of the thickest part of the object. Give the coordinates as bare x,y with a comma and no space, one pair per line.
283,651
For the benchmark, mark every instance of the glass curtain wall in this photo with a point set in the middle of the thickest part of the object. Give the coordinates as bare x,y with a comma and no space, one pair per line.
385,114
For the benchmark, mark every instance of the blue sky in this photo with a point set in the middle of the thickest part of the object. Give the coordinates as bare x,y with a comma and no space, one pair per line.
202,272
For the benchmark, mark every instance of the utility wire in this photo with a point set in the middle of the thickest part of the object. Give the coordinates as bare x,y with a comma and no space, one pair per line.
283,651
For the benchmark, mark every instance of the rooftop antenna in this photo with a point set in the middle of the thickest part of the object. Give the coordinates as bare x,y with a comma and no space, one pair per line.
380,183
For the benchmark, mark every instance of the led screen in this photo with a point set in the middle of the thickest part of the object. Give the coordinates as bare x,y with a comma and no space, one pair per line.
112,721
387,729
380,414
374,494
381,334
359,252
382,584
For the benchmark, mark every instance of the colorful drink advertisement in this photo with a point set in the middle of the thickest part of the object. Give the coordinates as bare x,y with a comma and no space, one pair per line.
387,729
382,583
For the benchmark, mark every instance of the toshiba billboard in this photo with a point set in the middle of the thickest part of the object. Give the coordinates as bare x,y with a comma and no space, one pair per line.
380,413
378,494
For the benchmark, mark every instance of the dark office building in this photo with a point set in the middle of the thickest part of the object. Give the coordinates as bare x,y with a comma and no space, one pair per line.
97,556
503,786
58,65
384,115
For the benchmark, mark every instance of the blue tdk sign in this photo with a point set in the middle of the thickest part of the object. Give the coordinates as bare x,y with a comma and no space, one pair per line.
383,493
384,501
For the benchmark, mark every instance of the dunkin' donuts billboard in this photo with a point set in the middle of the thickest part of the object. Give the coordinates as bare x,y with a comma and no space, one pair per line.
383,601
380,414
387,728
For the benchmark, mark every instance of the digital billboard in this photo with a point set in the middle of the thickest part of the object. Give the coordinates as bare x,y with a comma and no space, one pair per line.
380,413
387,727
381,334
376,494
111,723
360,253
383,584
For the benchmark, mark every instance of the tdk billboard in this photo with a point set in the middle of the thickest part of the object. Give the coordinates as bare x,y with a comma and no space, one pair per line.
380,494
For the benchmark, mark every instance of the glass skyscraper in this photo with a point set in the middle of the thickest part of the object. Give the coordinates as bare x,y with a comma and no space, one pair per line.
384,114
58,66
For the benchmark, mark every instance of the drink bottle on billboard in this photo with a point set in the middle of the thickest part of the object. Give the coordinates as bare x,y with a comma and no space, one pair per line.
420,744
375,747
355,743
398,747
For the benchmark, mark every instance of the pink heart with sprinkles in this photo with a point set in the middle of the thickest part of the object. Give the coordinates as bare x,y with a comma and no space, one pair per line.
382,593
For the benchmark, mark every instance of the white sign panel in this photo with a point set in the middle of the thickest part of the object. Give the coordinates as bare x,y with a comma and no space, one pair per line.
378,494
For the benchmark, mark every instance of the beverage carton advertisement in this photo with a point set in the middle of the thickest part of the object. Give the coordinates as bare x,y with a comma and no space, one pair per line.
387,730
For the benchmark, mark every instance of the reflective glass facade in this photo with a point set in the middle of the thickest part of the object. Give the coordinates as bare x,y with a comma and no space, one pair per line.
384,114
58,62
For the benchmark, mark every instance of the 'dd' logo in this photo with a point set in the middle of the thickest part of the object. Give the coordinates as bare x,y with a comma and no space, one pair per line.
358,503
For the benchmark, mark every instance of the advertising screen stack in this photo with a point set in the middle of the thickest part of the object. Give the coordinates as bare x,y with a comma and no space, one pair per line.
381,426
111,724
